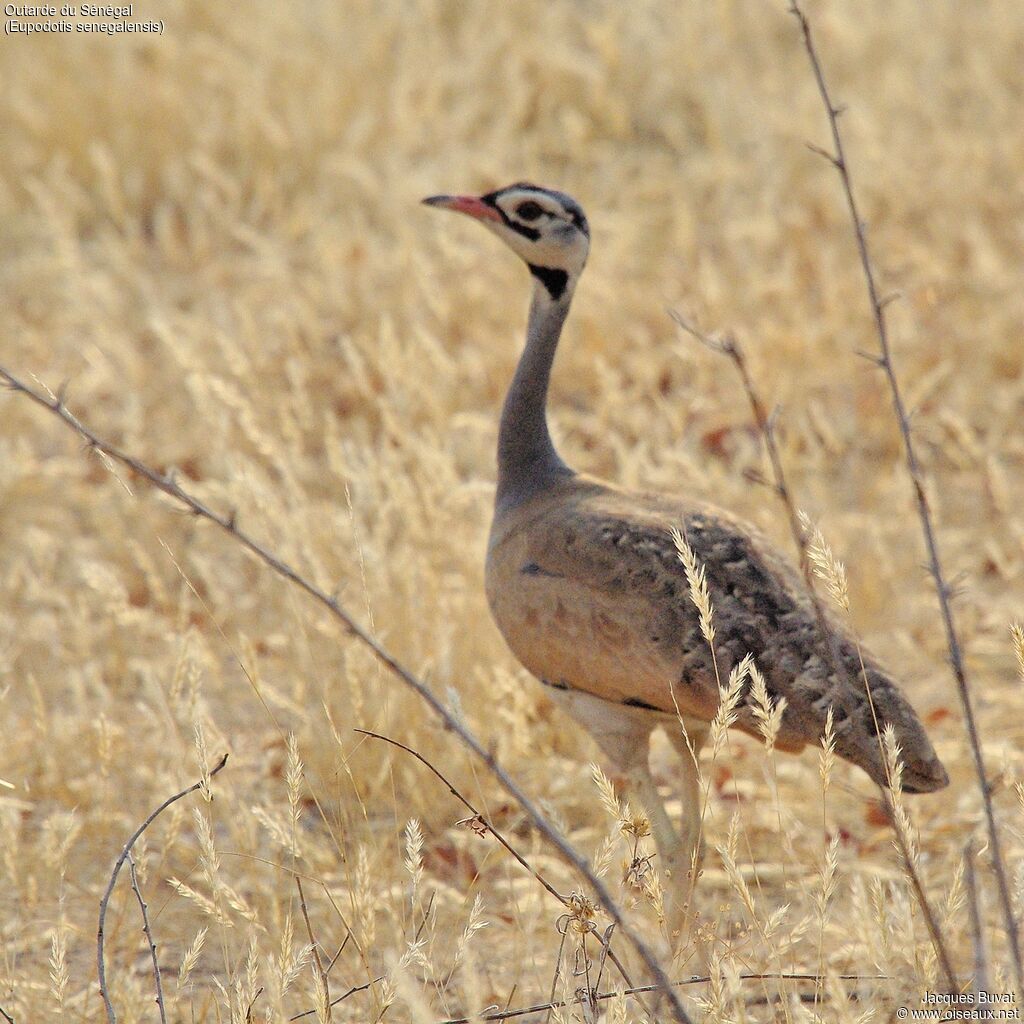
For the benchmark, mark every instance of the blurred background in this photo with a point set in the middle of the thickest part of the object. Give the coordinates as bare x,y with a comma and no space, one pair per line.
213,236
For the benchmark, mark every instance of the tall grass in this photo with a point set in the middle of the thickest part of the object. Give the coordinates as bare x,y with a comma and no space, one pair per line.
214,237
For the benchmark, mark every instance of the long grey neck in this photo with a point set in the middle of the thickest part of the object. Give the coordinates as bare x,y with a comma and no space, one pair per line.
527,460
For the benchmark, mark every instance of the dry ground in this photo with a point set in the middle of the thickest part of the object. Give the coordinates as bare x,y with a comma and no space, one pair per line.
214,237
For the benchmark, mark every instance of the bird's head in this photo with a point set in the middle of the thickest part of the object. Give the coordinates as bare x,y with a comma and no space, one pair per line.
547,229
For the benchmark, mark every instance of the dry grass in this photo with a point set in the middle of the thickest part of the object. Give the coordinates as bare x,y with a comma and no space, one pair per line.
214,237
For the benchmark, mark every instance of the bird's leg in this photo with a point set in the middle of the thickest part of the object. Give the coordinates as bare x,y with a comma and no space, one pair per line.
688,745
641,783
684,863
678,851
623,734
625,740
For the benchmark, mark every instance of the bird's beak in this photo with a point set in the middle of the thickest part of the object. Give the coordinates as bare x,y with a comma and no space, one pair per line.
471,206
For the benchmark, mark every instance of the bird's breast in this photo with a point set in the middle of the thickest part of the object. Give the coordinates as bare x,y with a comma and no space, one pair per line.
566,633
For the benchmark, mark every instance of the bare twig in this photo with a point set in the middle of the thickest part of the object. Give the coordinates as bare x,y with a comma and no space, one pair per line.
6,1016
975,914
606,945
149,938
340,999
931,922
426,915
556,974
730,347
341,949
118,864
318,963
522,1011
252,1005
479,821
228,523
878,309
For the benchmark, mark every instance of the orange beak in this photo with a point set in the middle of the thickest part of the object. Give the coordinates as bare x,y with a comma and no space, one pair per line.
471,206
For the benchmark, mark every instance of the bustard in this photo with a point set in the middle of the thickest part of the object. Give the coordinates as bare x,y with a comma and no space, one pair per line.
585,583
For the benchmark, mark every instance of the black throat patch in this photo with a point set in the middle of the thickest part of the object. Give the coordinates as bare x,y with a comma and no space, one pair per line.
554,280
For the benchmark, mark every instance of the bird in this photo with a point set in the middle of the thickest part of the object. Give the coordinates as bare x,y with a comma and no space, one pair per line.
585,583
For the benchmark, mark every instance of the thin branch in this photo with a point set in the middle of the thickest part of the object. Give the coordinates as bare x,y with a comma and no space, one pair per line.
522,1011
878,310
976,915
337,956
478,820
318,962
426,915
340,999
228,523
119,863
252,1005
606,946
6,1016
149,938
556,973
731,348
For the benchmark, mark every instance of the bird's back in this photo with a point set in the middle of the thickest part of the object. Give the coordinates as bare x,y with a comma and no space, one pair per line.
588,589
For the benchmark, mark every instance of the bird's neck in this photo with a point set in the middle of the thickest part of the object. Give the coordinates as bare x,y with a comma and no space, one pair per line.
527,460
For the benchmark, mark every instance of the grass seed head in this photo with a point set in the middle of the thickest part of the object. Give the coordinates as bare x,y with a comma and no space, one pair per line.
1017,636
827,754
767,712
825,565
697,580
190,958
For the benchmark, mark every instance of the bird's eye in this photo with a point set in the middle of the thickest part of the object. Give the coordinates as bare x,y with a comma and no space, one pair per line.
528,210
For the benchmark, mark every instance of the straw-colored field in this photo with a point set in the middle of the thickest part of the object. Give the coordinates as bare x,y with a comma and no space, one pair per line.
214,237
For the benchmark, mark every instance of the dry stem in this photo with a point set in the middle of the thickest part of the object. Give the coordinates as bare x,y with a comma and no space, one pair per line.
477,818
731,348
878,306
325,983
144,910
340,999
590,998
119,863
975,914
479,821
228,523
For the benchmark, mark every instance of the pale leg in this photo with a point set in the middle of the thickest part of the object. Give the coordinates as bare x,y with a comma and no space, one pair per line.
689,852
623,734
688,746
628,752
